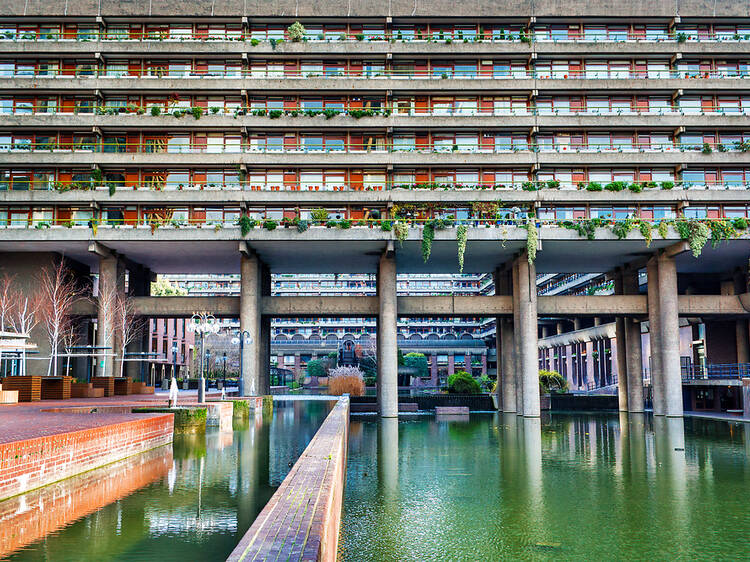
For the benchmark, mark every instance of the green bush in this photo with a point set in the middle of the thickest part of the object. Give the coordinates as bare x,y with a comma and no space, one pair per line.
315,368
552,381
594,186
419,362
462,382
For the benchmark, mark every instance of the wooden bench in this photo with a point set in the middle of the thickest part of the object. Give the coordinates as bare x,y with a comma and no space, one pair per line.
56,388
107,383
8,396
85,390
29,387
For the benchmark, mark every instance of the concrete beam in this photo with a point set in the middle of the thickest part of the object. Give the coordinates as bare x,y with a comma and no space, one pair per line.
438,306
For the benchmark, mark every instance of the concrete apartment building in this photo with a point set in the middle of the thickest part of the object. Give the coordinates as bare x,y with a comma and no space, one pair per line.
516,138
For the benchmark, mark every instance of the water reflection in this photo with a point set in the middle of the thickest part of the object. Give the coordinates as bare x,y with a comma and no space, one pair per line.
570,487
193,503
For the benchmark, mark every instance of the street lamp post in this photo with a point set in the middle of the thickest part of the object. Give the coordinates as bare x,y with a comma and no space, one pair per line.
203,323
208,366
243,339
224,383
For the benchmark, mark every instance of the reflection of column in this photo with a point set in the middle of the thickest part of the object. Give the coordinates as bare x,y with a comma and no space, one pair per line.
669,451
622,459
637,442
388,470
532,467
654,330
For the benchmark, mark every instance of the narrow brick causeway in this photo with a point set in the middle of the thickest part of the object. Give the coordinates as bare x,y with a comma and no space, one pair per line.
302,519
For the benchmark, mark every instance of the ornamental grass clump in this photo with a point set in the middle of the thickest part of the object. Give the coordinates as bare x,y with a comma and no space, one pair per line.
346,380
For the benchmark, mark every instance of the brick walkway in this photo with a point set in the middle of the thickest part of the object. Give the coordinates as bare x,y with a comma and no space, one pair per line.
26,420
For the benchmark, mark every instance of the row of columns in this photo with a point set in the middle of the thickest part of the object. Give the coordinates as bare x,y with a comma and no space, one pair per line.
516,341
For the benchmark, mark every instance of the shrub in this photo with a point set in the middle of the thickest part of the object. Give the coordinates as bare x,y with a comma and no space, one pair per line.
594,186
552,381
419,362
197,112
462,382
296,31
155,111
254,42
315,368
346,380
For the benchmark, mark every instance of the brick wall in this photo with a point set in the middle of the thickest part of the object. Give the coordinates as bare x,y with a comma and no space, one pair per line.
302,519
31,463
29,517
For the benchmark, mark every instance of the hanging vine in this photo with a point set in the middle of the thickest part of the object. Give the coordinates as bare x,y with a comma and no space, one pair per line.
401,229
428,235
645,228
696,233
532,238
461,236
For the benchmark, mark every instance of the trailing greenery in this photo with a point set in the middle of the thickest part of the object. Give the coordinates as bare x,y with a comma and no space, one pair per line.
623,227
246,225
401,230
645,228
696,233
461,236
663,228
428,235
532,238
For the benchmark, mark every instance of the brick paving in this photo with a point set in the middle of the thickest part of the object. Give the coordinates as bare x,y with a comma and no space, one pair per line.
27,420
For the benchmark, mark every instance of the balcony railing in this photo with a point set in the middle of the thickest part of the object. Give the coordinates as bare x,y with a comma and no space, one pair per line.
379,73
386,110
728,371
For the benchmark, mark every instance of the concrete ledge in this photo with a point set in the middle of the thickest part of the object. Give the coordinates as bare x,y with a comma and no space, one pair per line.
451,410
32,463
190,419
302,520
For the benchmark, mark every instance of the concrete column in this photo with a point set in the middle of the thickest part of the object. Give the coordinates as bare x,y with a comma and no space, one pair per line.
576,324
528,341
559,328
506,356
597,321
484,363
741,330
633,355
517,366
670,336
387,344
654,323
622,379
467,362
297,365
433,370
451,363
250,321
545,331
111,274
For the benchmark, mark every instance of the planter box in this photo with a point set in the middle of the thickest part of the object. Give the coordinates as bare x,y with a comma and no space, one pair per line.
142,388
105,383
123,386
56,388
85,390
29,387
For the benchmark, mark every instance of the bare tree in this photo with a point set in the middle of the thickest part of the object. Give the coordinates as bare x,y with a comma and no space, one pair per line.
128,326
7,301
106,301
58,293
69,338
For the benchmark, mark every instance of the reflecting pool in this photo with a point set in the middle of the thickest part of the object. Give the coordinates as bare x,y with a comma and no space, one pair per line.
190,501
584,487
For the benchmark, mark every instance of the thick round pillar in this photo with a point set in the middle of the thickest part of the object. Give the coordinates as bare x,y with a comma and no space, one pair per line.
654,323
528,340
387,344
517,366
622,378
506,360
670,337
111,287
633,355
250,325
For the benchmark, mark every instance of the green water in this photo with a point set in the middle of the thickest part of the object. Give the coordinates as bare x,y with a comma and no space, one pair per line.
568,487
194,499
